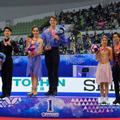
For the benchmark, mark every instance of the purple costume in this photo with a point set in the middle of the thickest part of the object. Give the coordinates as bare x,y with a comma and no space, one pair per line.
35,66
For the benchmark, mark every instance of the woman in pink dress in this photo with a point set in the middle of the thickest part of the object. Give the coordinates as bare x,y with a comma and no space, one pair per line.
104,74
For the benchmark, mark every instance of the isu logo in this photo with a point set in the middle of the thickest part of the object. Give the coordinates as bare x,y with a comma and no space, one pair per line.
50,105
50,111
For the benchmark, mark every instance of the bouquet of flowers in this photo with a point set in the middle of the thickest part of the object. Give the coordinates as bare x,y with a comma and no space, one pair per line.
95,48
2,59
31,50
60,31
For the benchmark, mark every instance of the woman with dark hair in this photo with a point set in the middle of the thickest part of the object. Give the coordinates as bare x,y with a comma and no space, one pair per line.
116,65
52,57
34,66
6,47
104,74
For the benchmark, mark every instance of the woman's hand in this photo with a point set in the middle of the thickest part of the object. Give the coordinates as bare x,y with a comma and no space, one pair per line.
29,56
97,53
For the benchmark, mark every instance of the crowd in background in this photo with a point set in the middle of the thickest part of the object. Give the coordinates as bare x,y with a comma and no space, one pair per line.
92,19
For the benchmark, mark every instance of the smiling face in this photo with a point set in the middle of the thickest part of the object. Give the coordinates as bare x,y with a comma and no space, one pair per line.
7,33
35,32
104,41
116,38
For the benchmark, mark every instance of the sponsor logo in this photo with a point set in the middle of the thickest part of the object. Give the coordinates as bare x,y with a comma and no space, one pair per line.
90,85
26,82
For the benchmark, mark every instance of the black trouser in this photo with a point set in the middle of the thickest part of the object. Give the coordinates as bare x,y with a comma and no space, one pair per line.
116,79
52,60
6,73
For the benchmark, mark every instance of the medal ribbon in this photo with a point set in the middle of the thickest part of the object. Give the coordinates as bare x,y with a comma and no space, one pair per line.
52,32
105,48
5,42
117,48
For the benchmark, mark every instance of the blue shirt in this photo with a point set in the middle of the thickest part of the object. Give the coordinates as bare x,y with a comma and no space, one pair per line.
48,39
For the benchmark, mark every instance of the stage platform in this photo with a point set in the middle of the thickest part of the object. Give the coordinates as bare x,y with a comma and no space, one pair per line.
57,107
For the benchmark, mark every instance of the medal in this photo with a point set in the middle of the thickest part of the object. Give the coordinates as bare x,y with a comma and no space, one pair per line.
5,42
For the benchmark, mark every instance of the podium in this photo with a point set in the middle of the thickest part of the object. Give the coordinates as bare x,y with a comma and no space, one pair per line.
56,107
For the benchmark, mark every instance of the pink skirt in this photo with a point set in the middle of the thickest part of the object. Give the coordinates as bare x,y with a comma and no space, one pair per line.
104,73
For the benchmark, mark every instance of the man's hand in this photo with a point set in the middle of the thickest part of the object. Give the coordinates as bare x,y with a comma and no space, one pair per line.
48,48
8,43
56,37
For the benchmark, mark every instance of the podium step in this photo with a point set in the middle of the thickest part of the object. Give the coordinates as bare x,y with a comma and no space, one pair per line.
57,107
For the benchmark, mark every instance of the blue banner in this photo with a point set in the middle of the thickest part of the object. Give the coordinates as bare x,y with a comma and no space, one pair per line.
65,67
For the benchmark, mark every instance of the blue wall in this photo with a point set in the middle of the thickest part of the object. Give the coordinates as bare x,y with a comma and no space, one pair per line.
65,68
